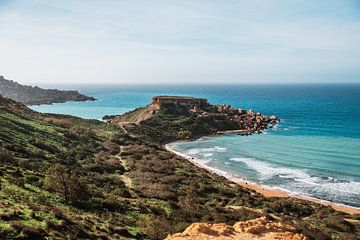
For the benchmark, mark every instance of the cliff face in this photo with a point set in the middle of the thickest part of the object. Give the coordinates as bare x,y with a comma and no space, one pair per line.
34,95
257,229
178,118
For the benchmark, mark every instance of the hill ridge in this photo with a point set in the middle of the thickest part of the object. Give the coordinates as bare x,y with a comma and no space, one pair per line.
34,95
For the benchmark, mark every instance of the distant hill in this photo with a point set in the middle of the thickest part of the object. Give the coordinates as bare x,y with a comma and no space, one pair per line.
30,95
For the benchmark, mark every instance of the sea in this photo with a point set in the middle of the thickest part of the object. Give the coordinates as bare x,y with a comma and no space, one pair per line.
314,151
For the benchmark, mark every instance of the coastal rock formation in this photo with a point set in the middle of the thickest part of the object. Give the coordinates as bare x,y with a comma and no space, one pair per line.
179,117
259,228
34,95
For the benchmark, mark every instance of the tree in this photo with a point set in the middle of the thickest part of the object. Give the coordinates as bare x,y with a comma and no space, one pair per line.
62,180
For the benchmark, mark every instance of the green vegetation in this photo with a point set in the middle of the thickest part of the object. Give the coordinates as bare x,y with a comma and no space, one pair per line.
34,95
65,177
174,121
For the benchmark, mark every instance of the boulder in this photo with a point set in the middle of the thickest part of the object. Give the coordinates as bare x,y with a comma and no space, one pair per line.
273,117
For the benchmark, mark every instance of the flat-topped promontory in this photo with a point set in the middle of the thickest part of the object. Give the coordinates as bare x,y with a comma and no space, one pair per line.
182,100
169,118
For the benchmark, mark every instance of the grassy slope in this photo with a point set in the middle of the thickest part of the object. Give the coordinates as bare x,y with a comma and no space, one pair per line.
137,188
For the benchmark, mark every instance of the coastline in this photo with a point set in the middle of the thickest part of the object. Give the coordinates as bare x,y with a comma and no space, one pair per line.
265,191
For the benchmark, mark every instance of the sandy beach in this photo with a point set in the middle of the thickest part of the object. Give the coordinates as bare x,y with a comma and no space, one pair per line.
279,193
266,192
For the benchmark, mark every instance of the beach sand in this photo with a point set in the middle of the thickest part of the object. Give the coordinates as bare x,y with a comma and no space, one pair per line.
266,192
279,193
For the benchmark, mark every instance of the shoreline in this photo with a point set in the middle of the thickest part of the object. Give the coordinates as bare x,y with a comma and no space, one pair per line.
265,191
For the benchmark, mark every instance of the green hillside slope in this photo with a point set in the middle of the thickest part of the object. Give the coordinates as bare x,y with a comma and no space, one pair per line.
63,177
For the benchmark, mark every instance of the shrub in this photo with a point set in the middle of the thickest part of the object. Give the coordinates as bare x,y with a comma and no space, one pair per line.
33,233
40,144
23,164
84,133
16,148
61,122
32,179
137,156
61,180
338,223
158,190
71,136
156,227
6,156
110,204
112,148
291,208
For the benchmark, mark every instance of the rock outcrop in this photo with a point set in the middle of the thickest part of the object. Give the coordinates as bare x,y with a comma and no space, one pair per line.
179,118
260,229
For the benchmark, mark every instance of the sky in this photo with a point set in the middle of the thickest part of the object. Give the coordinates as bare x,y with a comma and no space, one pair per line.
179,41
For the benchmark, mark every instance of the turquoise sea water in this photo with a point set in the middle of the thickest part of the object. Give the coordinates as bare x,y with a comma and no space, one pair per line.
314,151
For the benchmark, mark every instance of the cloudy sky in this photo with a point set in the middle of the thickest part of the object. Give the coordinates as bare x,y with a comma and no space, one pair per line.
186,41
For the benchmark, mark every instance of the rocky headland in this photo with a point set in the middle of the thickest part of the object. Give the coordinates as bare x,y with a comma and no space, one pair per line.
30,95
182,118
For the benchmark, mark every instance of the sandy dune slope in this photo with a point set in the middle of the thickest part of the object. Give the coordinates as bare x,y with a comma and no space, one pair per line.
260,228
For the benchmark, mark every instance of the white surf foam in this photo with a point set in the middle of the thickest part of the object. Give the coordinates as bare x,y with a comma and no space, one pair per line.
350,187
196,151
207,154
302,182
296,181
267,171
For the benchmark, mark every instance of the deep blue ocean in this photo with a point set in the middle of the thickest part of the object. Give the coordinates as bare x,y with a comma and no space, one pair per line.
314,151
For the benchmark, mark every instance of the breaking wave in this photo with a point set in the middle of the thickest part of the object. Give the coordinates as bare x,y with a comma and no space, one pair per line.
206,152
267,171
300,182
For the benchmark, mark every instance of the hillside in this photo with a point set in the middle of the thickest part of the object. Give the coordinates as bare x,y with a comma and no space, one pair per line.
66,177
176,120
34,95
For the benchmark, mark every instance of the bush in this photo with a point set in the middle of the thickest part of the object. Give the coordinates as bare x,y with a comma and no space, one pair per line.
137,156
23,164
84,133
110,204
158,190
338,223
156,227
61,180
32,179
16,148
291,208
43,146
6,156
112,148
64,123
33,233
